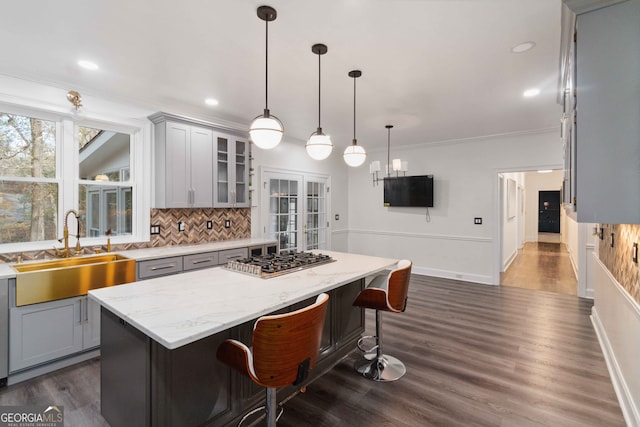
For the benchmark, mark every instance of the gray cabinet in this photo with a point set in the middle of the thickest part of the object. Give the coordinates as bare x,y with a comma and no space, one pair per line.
198,261
40,333
149,269
144,383
232,255
4,331
232,176
607,107
158,267
183,165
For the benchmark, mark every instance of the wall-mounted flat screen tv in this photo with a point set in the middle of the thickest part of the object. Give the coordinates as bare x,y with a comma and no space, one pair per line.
409,191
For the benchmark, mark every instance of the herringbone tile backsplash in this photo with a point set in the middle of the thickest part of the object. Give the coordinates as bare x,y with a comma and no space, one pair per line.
618,259
195,231
195,221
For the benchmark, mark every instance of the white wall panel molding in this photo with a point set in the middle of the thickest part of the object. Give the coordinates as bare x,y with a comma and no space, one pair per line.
455,275
422,235
457,257
616,319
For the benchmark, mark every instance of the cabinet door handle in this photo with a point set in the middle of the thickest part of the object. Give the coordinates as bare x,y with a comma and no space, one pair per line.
200,261
86,310
162,267
80,317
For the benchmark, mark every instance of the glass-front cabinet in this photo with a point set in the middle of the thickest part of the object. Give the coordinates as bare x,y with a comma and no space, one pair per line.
232,164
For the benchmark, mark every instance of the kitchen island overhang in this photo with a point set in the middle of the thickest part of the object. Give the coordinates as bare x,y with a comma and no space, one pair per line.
170,328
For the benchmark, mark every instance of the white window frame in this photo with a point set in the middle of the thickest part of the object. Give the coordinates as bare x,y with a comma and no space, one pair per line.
67,175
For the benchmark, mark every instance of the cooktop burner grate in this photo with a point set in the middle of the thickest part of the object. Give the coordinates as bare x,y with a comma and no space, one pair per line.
272,265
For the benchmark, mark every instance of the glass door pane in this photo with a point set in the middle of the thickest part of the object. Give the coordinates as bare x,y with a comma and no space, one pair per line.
284,211
241,170
223,171
316,214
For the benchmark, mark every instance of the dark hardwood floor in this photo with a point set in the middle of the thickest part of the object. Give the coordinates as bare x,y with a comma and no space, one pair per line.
476,355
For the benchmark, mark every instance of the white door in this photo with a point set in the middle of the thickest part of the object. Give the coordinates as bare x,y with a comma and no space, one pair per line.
295,210
316,226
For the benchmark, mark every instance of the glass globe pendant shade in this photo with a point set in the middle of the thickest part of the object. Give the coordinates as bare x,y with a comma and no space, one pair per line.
354,155
266,131
319,145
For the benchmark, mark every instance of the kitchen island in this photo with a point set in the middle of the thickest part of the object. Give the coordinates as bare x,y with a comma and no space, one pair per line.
159,337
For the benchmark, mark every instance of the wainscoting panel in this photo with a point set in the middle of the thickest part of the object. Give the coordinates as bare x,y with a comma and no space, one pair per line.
616,318
467,258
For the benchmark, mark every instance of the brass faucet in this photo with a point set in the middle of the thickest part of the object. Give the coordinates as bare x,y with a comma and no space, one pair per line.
108,233
65,253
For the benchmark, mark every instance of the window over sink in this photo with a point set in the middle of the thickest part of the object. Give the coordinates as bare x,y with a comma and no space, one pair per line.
51,163
105,193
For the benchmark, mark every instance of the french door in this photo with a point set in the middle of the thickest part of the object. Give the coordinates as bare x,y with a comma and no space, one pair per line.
295,210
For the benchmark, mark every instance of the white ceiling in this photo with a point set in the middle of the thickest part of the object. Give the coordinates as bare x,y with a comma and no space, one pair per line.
436,69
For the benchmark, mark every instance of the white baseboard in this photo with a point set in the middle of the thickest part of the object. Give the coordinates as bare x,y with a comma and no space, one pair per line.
510,260
455,275
617,378
616,320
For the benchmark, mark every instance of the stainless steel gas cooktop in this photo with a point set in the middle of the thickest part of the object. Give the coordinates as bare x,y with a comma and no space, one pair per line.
272,265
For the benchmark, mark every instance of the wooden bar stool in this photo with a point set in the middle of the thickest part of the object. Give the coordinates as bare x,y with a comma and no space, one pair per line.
285,347
384,293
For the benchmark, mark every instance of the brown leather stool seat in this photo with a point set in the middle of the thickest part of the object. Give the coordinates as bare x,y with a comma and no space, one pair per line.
384,293
285,347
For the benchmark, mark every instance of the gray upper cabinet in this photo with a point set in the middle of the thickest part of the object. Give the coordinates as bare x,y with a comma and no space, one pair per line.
184,165
232,176
607,108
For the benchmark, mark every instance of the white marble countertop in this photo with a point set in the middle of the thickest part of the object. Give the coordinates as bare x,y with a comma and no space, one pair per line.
169,251
6,272
180,309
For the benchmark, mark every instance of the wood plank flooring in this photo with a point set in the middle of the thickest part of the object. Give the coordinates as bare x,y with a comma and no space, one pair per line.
476,355
542,266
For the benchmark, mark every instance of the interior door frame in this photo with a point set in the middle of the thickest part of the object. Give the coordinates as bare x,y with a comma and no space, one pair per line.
265,174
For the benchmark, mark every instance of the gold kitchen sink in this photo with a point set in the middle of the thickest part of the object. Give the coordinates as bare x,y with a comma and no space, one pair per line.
64,278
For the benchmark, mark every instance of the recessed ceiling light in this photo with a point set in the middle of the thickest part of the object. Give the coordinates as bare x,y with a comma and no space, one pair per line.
545,171
530,93
212,102
523,47
88,65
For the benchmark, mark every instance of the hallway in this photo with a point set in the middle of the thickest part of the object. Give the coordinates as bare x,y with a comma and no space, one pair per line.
543,266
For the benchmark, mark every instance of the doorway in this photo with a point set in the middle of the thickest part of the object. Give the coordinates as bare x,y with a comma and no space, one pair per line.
549,212
541,260
295,209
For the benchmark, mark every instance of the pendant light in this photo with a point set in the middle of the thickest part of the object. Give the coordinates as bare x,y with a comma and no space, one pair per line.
266,130
354,155
319,145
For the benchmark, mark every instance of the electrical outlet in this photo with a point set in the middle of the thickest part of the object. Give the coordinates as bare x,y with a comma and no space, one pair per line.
337,217
180,226
227,223
209,225
477,221
155,229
